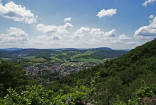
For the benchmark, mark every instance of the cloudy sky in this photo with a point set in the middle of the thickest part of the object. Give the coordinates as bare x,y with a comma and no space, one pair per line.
119,24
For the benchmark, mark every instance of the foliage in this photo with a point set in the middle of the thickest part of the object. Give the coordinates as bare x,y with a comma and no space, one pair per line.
11,76
38,95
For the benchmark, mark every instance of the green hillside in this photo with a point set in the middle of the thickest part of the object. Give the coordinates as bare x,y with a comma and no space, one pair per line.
37,56
118,78
127,80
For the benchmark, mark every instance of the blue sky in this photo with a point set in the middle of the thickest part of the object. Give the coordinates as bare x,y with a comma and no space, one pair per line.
119,24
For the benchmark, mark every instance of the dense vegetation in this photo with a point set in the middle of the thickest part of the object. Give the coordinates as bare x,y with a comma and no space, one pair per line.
11,76
127,80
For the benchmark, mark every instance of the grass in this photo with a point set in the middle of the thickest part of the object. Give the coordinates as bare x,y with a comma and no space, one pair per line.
92,60
87,53
29,57
54,59
38,60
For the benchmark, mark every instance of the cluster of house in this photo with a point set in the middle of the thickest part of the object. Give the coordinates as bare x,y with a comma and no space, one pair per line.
57,67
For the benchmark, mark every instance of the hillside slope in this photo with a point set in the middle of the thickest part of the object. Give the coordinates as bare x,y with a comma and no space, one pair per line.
117,78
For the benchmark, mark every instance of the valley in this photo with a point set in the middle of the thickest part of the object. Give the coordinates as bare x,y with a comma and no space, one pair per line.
126,79
51,64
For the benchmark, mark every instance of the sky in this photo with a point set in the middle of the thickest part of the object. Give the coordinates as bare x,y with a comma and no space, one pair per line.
118,24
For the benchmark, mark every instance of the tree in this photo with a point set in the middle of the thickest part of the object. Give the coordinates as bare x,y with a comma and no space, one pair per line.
11,76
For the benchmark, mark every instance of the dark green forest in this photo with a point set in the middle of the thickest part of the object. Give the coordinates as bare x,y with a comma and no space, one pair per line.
127,80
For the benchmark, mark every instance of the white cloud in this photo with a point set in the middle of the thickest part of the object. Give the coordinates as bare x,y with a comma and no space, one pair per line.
44,41
84,37
108,12
148,31
95,37
145,33
110,33
61,36
124,37
68,19
53,29
13,38
50,37
85,32
17,12
151,16
17,34
148,2
54,35
82,32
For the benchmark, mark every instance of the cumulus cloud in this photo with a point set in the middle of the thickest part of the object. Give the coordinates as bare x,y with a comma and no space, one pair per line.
61,36
14,37
53,34
148,31
83,37
50,37
108,12
148,2
96,32
96,37
68,19
62,29
17,12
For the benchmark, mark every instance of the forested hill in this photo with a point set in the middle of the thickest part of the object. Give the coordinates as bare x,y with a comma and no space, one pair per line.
117,80
48,56
127,80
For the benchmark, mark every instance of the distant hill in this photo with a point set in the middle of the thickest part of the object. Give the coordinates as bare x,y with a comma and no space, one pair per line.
72,54
103,48
69,49
12,49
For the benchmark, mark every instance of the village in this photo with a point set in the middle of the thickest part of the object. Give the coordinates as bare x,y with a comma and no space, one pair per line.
62,68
